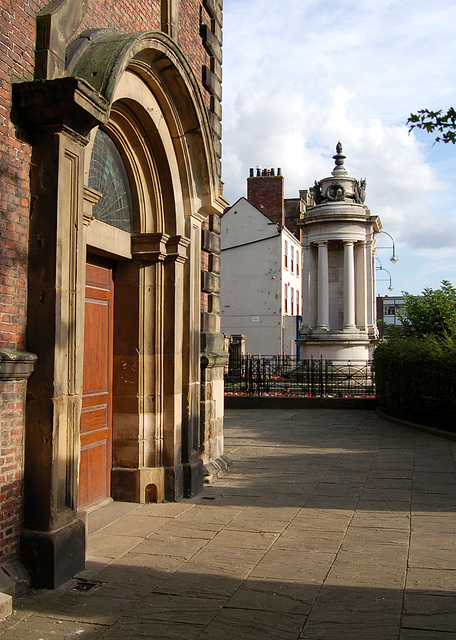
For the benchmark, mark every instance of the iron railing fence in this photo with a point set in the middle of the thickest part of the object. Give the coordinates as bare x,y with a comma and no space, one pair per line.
284,375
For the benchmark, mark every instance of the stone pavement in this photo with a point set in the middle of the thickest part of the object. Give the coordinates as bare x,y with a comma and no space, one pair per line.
331,525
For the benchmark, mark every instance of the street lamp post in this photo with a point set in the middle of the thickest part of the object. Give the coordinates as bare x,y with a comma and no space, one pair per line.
390,288
394,257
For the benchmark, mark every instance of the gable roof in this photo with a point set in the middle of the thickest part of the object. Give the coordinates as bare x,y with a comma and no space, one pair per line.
243,198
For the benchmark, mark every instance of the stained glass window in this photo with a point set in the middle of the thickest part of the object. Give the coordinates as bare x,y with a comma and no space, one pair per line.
109,176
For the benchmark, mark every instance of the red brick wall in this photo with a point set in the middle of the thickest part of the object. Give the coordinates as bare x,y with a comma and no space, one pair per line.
191,16
266,193
144,15
11,467
122,15
17,43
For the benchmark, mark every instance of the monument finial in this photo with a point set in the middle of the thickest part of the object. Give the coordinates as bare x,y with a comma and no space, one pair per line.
339,169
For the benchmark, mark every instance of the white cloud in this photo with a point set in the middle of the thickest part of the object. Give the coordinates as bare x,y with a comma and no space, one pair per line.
298,80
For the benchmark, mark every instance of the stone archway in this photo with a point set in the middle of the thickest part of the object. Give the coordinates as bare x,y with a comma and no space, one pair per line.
156,354
173,171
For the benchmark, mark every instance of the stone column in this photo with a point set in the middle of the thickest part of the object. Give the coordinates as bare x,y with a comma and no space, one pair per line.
172,370
58,116
370,294
323,286
349,285
138,474
214,352
306,287
55,334
192,464
361,286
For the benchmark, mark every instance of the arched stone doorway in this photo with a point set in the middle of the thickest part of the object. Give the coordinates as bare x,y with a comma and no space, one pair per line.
139,91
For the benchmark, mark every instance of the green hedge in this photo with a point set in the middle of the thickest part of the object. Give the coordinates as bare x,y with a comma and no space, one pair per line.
416,380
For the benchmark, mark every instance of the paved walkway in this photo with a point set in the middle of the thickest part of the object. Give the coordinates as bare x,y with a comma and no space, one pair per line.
332,525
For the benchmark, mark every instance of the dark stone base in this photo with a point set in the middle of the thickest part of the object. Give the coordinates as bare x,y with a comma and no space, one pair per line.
54,557
138,485
193,478
174,483
124,485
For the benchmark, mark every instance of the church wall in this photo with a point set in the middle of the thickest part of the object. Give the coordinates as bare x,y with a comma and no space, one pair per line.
199,36
17,26
17,43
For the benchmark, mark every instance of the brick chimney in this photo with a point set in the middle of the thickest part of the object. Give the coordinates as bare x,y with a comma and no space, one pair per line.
265,191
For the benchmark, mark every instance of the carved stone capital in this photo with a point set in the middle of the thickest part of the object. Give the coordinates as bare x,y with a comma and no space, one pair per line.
55,105
91,197
150,246
177,248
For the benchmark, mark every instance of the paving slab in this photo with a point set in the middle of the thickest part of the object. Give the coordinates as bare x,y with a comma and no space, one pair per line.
107,545
6,605
39,628
203,580
331,525
93,608
192,610
243,624
433,612
136,525
268,595
147,629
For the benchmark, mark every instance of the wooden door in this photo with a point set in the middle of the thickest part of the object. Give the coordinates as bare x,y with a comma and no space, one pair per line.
96,417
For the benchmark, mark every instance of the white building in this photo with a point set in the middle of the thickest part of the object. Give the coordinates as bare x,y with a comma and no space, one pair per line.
261,284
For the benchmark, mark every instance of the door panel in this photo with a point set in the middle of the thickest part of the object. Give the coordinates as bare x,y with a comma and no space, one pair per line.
96,417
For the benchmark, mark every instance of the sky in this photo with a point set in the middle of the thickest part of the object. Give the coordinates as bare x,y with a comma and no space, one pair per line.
300,75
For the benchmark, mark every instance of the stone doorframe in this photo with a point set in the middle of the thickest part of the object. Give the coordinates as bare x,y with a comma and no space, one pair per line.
175,184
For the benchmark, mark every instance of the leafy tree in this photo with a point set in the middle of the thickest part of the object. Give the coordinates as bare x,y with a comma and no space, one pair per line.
415,366
432,121
431,314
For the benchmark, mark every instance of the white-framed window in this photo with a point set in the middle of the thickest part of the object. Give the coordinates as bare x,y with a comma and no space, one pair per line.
292,254
285,299
285,254
298,261
297,302
292,301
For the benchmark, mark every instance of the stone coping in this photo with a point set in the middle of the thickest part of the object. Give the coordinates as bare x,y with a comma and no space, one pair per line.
274,402
16,365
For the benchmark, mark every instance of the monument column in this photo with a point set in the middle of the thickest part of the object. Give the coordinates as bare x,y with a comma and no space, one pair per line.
323,286
370,281
349,285
306,276
362,299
